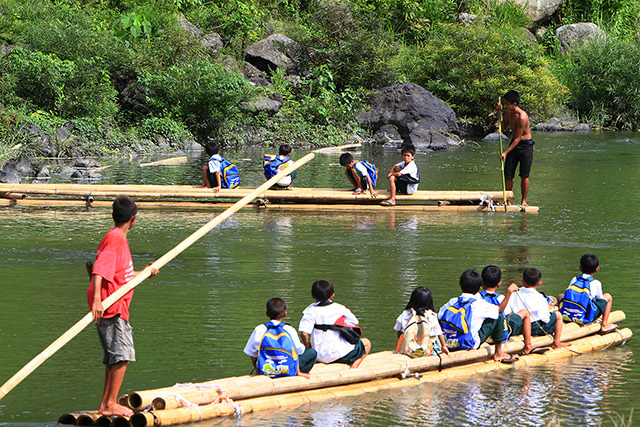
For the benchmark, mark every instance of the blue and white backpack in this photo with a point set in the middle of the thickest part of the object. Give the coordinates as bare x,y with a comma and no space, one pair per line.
229,173
277,356
577,304
493,299
272,165
372,171
456,323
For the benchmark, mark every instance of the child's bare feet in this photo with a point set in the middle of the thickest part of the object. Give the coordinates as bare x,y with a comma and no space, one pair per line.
302,374
116,410
558,345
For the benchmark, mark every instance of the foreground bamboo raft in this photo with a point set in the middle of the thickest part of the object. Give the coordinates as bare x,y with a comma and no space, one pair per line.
379,371
297,198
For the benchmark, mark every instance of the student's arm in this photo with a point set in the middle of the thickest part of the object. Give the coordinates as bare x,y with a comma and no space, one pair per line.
254,360
305,340
269,156
395,171
510,290
373,193
217,187
96,308
443,344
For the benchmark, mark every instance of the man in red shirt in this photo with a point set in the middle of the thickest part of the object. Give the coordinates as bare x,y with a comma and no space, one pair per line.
113,268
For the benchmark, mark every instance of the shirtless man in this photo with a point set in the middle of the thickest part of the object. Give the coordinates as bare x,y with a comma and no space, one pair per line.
520,149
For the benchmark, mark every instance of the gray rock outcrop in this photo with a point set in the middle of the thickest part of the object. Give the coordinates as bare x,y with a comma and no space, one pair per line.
577,34
276,51
539,10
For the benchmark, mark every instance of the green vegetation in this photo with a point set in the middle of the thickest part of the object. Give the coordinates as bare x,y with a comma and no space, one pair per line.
73,59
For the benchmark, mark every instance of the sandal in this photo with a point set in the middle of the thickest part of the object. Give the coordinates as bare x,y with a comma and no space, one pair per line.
612,328
387,203
535,350
512,359
357,191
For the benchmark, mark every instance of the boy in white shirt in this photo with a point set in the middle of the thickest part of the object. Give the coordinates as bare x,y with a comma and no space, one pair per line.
403,177
545,318
317,328
277,311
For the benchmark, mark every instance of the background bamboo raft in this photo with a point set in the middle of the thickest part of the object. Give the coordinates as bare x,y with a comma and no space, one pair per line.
378,371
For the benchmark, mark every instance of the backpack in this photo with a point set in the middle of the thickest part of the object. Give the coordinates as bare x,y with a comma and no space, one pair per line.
372,170
230,174
493,299
455,323
277,356
415,340
577,305
350,333
272,165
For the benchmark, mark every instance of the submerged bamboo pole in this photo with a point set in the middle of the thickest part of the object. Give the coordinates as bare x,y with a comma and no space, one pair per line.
169,161
143,275
195,414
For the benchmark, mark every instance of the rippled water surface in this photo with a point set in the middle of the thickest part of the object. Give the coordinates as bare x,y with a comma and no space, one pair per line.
191,321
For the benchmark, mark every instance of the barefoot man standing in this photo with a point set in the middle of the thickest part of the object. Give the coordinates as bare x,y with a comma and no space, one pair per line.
520,149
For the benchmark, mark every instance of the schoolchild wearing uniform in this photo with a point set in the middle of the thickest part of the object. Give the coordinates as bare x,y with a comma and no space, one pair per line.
274,164
330,345
470,330
514,323
421,303
404,176
277,311
357,174
589,265
545,318
113,268
212,172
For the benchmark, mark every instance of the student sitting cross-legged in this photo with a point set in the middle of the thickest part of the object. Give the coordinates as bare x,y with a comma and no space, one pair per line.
330,328
467,321
274,347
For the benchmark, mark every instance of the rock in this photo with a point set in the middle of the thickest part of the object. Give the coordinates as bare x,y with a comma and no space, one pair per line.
552,125
538,10
44,173
529,35
6,49
426,140
85,163
192,145
388,136
62,134
410,108
161,142
9,177
269,105
213,42
188,27
541,32
64,171
133,97
255,76
23,167
582,127
276,51
577,34
495,137
466,19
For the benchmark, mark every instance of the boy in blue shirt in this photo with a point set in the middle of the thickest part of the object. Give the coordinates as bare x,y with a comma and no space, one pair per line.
357,174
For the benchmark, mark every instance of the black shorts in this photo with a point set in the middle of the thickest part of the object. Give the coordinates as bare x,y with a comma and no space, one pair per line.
523,154
402,183
363,179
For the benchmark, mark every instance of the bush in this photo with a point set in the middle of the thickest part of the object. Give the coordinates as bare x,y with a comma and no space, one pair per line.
470,67
202,95
173,131
604,81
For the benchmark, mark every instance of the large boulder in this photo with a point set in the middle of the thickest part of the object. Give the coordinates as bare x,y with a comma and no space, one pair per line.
213,42
414,111
577,34
276,51
539,10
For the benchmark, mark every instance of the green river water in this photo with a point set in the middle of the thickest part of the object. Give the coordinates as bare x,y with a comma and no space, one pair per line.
191,321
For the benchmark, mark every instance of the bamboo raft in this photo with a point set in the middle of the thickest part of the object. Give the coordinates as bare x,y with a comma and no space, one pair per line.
50,195
185,403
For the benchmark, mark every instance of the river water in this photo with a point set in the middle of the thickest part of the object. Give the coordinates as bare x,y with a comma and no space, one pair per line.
192,320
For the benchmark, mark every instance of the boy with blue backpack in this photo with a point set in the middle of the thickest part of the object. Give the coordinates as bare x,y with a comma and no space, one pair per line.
219,172
274,164
468,320
583,301
274,347
362,175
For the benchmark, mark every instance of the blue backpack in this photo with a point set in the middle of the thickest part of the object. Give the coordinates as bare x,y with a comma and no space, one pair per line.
272,166
456,323
577,304
277,356
493,299
230,174
372,170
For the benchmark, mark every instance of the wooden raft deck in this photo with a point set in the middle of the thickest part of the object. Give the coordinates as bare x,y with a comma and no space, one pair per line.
379,371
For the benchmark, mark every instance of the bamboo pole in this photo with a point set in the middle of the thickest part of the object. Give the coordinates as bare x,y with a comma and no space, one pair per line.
185,415
338,149
169,161
144,274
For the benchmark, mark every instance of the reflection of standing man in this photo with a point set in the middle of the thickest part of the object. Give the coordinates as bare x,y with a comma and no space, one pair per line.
520,149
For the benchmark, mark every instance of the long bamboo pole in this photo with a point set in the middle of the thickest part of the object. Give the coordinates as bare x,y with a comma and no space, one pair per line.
144,274
504,185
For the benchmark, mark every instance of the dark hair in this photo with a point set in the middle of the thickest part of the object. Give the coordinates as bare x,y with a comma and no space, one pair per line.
589,263
513,96
276,308
212,148
408,148
284,150
124,208
491,276
531,276
345,159
421,300
470,282
322,290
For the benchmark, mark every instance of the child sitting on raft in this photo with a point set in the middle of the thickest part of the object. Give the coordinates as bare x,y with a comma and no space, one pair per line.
403,177
274,164
302,359
467,321
420,308
322,326
583,301
358,174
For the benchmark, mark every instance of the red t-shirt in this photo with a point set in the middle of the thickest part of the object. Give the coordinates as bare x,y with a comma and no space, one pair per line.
114,264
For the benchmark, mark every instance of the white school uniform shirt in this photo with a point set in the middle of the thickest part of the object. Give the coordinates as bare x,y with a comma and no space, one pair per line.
252,349
533,301
480,311
594,285
412,170
329,344
405,317
214,164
